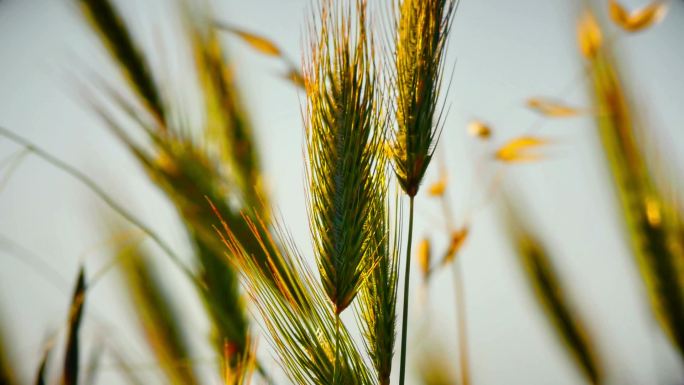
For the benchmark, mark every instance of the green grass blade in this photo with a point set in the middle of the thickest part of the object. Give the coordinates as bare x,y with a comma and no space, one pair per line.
114,34
553,299
71,359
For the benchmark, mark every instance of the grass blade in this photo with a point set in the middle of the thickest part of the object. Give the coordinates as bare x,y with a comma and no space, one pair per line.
71,360
42,368
104,19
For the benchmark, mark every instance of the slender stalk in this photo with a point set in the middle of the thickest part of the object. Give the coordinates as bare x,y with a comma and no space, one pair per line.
337,347
404,319
461,322
99,191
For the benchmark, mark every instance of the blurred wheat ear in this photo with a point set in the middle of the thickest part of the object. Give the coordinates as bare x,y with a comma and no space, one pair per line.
221,167
553,298
157,317
653,220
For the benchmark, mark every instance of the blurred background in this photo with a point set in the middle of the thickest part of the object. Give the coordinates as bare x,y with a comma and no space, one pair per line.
501,53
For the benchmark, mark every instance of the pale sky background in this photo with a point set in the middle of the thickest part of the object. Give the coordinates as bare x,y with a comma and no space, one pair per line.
503,51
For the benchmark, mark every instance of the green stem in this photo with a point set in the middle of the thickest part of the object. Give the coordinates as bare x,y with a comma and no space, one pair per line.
404,319
337,347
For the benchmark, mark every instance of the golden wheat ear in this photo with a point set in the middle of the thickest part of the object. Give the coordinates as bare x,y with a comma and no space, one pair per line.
548,288
653,223
344,132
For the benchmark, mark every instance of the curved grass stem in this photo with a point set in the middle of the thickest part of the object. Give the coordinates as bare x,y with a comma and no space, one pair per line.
99,191
404,319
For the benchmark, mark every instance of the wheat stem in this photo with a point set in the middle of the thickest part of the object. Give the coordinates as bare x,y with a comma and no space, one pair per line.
337,347
99,191
404,318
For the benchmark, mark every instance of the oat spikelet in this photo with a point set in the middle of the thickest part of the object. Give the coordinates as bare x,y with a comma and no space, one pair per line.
638,19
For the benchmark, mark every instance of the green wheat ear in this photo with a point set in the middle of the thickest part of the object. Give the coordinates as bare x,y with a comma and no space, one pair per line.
422,29
7,364
344,132
653,222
